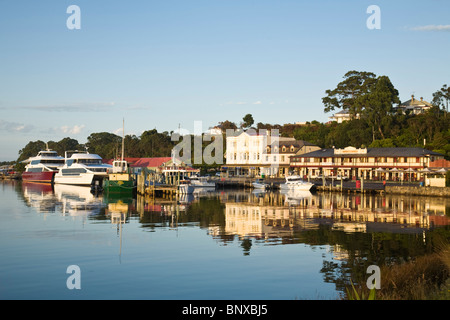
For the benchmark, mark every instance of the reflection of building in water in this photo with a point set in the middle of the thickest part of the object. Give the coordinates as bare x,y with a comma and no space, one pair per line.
253,216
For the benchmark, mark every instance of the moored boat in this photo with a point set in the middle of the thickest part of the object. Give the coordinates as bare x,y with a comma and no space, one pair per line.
185,187
296,183
260,184
82,168
119,179
42,167
202,182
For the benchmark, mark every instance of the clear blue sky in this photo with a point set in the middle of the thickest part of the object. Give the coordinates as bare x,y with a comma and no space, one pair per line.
159,64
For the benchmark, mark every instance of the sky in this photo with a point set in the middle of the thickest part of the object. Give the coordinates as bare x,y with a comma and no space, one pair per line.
166,64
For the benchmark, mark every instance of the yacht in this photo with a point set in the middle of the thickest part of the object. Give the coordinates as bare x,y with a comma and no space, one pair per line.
260,184
82,168
185,187
202,182
296,183
42,167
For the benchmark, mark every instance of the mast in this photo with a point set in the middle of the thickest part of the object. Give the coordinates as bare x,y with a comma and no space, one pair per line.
123,136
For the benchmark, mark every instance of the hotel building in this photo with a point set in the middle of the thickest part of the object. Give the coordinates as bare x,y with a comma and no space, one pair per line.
407,164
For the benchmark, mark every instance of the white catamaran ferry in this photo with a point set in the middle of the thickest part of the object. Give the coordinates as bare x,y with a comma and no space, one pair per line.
43,167
82,168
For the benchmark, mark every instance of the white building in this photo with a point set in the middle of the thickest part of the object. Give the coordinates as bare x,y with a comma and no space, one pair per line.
257,154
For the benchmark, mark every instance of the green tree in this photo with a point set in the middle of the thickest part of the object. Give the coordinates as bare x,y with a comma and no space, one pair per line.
227,125
376,106
106,145
442,97
346,93
248,121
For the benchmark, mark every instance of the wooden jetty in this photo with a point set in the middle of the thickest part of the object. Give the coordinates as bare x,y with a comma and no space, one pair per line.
155,190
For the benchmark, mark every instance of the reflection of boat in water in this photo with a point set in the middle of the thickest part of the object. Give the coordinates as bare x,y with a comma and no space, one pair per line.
39,196
294,197
260,184
77,200
296,183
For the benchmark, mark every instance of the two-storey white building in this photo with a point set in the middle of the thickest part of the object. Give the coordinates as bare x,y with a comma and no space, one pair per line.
261,153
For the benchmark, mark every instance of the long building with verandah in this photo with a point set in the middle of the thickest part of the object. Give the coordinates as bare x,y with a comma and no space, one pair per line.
397,164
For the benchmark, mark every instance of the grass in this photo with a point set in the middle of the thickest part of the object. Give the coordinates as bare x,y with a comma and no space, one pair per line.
425,278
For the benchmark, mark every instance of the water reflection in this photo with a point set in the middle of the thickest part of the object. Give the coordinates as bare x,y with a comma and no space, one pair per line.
356,229
259,215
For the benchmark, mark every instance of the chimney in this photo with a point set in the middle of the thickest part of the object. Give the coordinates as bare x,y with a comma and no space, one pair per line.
412,98
421,98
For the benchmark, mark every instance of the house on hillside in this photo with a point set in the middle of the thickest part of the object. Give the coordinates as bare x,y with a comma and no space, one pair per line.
341,116
414,106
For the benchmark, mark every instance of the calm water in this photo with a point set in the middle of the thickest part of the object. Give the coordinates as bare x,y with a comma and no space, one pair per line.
216,245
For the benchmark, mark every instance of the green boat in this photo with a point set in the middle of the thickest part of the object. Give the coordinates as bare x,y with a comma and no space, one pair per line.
119,181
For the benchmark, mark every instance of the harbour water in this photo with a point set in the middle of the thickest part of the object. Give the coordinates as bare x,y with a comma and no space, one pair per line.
227,245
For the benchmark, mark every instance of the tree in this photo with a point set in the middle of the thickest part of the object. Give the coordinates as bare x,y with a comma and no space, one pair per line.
248,121
105,144
356,84
441,97
376,106
227,125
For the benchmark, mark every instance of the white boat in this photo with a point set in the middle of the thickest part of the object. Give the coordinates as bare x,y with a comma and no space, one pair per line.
259,184
42,167
82,168
185,187
296,183
202,182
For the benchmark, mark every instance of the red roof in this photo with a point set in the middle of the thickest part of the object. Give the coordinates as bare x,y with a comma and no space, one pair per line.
143,162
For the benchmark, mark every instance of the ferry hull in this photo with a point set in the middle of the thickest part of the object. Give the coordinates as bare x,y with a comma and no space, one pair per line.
85,179
46,176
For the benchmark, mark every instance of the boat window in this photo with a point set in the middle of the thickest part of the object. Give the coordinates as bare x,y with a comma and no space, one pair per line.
89,161
73,171
33,162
